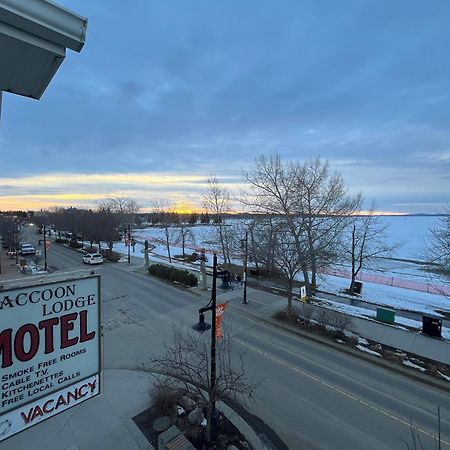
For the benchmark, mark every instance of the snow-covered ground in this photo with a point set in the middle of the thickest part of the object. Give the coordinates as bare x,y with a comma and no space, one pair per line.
388,296
412,229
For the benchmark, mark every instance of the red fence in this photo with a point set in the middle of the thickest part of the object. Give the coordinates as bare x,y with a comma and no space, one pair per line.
392,281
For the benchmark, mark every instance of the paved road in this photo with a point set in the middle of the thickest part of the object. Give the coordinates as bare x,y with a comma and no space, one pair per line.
312,396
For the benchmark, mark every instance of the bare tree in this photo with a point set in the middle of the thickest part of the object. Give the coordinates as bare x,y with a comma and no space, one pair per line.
326,210
188,362
163,211
311,201
368,240
107,225
262,242
439,252
125,207
217,203
287,259
185,236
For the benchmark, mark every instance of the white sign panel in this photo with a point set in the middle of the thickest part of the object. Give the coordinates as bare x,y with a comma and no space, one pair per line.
44,408
50,342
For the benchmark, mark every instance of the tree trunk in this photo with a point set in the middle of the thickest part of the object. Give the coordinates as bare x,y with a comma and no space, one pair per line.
222,243
352,283
290,288
253,252
312,262
208,425
168,244
306,278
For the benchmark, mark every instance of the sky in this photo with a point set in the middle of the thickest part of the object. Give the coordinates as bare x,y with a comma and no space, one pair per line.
165,93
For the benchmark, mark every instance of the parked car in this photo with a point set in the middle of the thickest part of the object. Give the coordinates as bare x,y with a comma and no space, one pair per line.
27,249
93,258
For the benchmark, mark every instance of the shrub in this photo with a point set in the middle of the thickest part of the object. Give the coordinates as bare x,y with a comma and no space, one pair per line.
193,257
164,401
172,274
323,317
341,322
75,244
306,314
110,255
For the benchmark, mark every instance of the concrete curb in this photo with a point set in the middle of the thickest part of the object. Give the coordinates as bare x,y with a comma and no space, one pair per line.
241,425
417,376
236,419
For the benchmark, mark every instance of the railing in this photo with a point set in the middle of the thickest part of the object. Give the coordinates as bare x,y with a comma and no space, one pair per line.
393,281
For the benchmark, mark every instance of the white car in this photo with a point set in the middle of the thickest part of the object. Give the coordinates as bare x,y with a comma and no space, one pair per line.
93,258
27,249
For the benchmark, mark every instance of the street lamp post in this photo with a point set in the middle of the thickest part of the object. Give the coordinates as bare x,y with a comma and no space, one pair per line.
245,301
45,249
129,243
201,327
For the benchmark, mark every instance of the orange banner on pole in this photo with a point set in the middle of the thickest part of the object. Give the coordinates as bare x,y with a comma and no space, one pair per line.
220,309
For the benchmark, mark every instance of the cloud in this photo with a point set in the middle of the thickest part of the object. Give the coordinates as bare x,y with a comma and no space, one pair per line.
195,87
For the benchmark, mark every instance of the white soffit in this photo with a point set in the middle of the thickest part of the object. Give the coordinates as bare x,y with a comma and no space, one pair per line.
34,35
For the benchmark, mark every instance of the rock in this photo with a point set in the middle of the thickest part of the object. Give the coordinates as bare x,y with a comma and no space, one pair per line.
187,403
161,423
196,416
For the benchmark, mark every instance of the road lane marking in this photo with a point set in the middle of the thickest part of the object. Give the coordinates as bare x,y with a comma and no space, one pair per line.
340,391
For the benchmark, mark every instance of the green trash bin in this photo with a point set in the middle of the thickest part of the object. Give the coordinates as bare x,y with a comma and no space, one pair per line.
386,315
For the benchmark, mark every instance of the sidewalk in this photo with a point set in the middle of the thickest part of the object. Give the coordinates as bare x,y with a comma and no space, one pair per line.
105,422
8,265
392,336
416,343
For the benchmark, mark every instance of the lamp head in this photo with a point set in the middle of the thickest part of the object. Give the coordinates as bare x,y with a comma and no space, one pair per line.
201,326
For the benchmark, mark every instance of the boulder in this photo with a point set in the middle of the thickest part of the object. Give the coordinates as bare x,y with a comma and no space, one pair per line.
196,416
187,403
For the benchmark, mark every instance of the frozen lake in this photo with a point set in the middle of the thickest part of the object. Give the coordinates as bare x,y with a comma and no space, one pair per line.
411,233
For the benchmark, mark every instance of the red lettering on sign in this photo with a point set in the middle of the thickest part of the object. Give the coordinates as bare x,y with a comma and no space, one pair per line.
5,347
84,335
66,326
28,336
19,350
46,408
48,325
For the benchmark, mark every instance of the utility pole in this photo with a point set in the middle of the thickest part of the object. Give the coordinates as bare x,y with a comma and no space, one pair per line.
45,249
15,245
129,243
146,254
203,283
245,301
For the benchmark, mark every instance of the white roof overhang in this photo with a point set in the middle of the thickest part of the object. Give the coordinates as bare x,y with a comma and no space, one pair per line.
34,35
